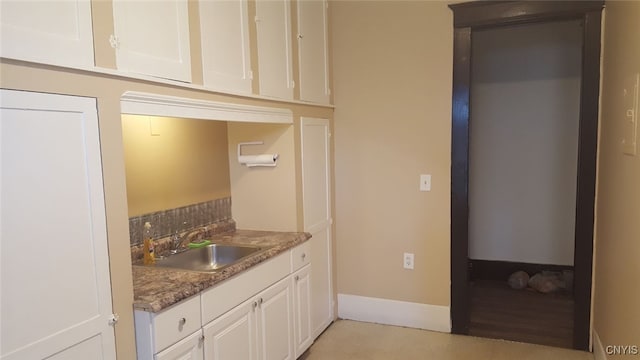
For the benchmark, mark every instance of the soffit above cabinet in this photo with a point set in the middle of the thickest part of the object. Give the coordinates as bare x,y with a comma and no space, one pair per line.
139,103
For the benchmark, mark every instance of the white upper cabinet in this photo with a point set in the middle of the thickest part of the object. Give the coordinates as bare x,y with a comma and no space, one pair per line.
224,32
152,38
52,32
313,57
273,22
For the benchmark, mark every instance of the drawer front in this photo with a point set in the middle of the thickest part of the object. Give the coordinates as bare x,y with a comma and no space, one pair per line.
300,256
175,323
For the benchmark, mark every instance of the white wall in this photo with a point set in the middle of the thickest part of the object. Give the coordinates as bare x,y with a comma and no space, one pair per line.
525,98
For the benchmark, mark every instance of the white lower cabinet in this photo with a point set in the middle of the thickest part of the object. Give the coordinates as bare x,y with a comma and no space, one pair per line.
189,348
302,310
260,314
260,328
233,335
275,322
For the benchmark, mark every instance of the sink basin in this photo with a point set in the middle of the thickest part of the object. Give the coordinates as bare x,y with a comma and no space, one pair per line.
209,258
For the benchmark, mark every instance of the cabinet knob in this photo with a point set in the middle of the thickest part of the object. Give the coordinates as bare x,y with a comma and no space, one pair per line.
260,301
182,321
304,256
297,278
255,305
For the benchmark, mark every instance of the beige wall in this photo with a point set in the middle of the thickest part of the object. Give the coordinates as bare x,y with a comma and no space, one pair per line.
392,67
525,107
185,162
617,266
263,198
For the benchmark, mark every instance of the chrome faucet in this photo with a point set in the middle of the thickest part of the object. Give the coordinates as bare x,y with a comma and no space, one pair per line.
178,240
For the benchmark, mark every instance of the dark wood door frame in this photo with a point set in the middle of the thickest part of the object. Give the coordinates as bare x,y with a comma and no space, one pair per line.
488,14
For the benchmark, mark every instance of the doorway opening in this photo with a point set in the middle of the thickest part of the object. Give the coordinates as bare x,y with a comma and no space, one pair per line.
523,154
525,111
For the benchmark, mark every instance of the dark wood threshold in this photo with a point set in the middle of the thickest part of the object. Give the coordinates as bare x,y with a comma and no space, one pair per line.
501,270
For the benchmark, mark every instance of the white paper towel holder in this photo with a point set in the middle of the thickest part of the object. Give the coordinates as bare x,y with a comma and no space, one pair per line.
256,160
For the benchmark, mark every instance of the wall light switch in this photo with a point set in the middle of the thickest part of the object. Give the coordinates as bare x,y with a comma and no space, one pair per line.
425,182
630,116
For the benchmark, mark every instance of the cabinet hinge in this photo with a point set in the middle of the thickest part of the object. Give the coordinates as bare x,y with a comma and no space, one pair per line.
113,319
292,84
256,19
330,220
250,74
114,41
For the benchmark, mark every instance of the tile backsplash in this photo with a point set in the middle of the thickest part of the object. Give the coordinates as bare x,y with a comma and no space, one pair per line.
165,223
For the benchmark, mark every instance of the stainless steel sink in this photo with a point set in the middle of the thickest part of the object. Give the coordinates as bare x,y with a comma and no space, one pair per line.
209,258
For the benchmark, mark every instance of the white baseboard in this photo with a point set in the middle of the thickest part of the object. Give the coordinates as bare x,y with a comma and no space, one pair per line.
598,349
393,312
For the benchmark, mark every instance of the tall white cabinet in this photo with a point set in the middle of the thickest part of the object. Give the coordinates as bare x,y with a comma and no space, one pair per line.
316,183
152,38
273,23
313,51
49,32
55,291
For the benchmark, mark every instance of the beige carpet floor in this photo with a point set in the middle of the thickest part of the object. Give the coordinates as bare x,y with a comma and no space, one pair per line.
364,341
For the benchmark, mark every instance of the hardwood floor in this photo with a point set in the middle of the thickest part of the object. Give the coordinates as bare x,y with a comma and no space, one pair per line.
499,312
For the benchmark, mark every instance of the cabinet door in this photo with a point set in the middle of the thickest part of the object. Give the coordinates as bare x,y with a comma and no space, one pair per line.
275,322
224,32
273,22
50,32
313,56
232,336
302,309
317,217
54,278
152,38
189,348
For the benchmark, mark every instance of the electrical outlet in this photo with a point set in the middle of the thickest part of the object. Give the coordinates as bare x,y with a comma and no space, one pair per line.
408,261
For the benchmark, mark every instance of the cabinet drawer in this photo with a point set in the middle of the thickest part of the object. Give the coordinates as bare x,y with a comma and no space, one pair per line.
175,323
300,255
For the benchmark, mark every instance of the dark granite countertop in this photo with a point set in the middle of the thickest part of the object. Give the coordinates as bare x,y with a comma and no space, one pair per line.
155,288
